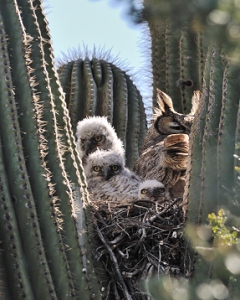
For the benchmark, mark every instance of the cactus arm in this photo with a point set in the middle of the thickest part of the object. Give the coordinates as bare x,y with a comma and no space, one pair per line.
58,177
210,135
120,107
193,176
11,249
43,189
53,135
133,127
227,131
16,170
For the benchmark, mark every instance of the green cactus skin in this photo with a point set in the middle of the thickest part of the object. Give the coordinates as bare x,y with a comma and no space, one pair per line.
188,67
175,64
45,178
16,274
98,87
209,142
226,133
210,183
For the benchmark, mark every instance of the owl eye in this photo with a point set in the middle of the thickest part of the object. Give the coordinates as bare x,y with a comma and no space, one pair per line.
98,138
115,167
96,168
176,126
143,191
160,190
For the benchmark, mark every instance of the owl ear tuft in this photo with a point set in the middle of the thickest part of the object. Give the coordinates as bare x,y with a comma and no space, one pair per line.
164,103
196,98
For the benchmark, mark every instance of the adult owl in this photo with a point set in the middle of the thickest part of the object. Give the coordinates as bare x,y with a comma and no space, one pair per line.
165,150
108,178
152,190
97,133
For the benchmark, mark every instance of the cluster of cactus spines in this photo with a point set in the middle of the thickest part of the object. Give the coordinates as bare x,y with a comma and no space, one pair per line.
41,175
98,87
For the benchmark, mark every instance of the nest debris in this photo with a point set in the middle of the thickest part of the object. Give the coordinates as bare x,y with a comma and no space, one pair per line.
138,241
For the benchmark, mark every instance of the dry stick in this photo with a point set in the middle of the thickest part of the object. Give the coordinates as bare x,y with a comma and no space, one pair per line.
115,264
163,211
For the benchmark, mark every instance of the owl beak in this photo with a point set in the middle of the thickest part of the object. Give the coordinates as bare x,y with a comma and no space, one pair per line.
90,148
109,174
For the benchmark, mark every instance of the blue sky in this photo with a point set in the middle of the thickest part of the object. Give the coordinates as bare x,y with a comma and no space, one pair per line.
103,24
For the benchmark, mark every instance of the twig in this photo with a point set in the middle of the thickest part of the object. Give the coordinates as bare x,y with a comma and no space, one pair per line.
115,264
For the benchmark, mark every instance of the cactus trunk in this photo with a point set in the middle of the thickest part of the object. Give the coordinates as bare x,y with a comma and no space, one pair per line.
42,180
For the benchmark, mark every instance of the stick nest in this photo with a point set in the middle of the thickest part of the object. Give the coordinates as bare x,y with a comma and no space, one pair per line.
138,241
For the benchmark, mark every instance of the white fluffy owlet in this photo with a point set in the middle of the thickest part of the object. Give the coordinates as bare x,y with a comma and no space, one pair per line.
97,133
152,190
102,165
108,179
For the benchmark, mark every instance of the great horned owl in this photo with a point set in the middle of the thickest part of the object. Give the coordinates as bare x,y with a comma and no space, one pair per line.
152,190
97,133
165,150
108,179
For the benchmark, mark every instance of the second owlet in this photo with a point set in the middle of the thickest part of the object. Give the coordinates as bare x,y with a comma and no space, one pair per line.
97,133
108,179
153,190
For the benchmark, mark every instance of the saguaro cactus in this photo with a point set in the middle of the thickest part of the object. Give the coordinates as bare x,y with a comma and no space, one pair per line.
41,178
213,180
98,87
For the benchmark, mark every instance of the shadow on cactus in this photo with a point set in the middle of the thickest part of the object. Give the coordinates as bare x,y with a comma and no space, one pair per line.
98,87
